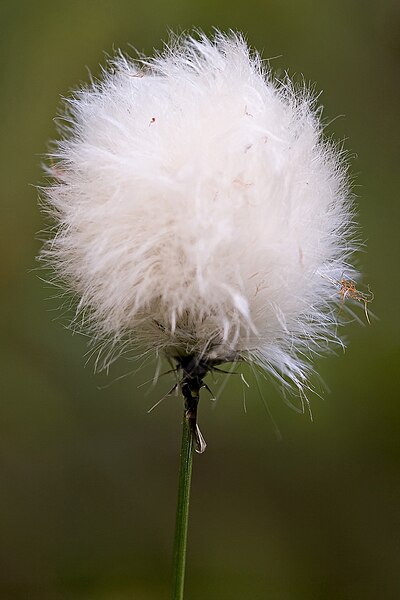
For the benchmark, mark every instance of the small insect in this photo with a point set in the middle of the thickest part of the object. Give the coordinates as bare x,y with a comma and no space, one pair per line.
348,290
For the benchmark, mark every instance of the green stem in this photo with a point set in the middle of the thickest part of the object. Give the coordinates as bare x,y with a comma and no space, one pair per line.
182,513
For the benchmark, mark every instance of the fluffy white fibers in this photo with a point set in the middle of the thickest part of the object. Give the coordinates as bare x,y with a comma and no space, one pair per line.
199,210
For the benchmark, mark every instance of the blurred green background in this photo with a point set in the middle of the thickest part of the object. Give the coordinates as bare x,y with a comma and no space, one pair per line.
88,478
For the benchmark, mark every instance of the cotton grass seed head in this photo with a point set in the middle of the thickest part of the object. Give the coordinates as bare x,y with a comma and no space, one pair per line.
199,211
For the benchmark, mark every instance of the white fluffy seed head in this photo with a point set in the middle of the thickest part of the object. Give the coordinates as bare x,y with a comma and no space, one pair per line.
199,210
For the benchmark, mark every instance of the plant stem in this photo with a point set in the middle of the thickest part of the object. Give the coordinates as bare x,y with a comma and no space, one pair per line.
182,513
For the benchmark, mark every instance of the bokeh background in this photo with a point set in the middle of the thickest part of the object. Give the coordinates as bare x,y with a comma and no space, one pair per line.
88,478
